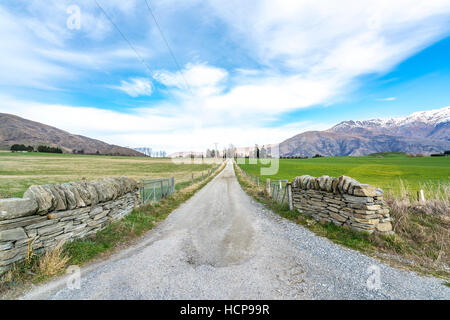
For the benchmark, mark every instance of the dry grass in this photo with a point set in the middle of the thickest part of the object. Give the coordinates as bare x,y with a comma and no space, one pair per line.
53,262
34,270
423,228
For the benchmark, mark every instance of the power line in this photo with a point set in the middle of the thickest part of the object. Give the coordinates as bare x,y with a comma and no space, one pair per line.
167,44
125,38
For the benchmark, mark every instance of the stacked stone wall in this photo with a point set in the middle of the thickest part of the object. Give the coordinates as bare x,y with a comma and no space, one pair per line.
53,214
342,201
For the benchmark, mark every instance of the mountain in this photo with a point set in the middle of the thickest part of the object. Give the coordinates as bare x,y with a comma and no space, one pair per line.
16,130
421,132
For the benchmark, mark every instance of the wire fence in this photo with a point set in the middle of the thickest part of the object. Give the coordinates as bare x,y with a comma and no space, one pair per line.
153,190
279,190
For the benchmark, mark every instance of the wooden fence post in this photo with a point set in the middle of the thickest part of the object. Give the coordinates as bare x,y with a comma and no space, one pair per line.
420,196
289,193
279,194
268,187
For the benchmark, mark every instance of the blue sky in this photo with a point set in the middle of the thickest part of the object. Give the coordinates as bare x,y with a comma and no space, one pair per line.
244,72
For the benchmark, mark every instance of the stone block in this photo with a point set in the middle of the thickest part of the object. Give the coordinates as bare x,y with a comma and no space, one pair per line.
338,217
16,208
21,222
365,190
43,197
12,234
384,227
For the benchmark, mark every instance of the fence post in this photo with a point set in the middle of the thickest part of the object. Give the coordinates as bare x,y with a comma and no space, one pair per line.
280,189
257,181
289,193
192,178
268,187
420,196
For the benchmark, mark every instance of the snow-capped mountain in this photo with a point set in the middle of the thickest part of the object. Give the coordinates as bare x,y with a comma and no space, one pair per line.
420,132
432,124
430,117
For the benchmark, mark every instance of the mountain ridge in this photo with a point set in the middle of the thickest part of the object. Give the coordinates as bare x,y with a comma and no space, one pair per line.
17,130
420,132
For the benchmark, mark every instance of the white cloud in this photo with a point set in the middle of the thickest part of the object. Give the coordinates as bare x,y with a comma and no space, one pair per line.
200,79
136,87
387,99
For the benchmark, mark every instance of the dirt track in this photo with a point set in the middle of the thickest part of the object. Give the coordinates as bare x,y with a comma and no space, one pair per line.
223,245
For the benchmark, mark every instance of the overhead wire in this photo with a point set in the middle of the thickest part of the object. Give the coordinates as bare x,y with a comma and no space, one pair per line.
167,44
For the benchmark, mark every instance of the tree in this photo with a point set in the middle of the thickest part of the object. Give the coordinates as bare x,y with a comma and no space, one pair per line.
256,151
318,156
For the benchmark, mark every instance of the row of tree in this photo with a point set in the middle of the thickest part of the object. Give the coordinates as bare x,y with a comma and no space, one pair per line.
444,154
46,149
21,147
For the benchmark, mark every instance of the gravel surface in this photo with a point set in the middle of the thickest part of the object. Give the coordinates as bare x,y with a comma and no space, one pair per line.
223,245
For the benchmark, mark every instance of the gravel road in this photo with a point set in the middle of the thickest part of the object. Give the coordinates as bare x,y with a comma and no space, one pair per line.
223,245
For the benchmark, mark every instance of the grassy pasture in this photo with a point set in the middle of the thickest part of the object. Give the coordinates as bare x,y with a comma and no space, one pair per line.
393,172
18,171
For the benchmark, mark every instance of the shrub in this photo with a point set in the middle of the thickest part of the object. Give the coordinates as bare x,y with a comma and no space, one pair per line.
318,156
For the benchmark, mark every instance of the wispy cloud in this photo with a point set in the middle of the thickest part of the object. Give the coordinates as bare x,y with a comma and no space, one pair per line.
136,87
387,99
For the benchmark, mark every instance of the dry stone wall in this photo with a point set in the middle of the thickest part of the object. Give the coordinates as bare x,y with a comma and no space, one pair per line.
51,214
342,201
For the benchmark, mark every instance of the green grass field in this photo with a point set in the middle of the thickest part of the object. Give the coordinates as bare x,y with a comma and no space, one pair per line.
385,170
18,171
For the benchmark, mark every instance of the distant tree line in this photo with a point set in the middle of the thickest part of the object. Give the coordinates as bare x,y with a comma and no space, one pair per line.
300,157
21,147
47,149
444,154
294,157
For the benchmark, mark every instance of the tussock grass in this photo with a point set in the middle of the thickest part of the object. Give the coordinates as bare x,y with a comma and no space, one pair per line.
53,262
421,241
423,228
34,270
